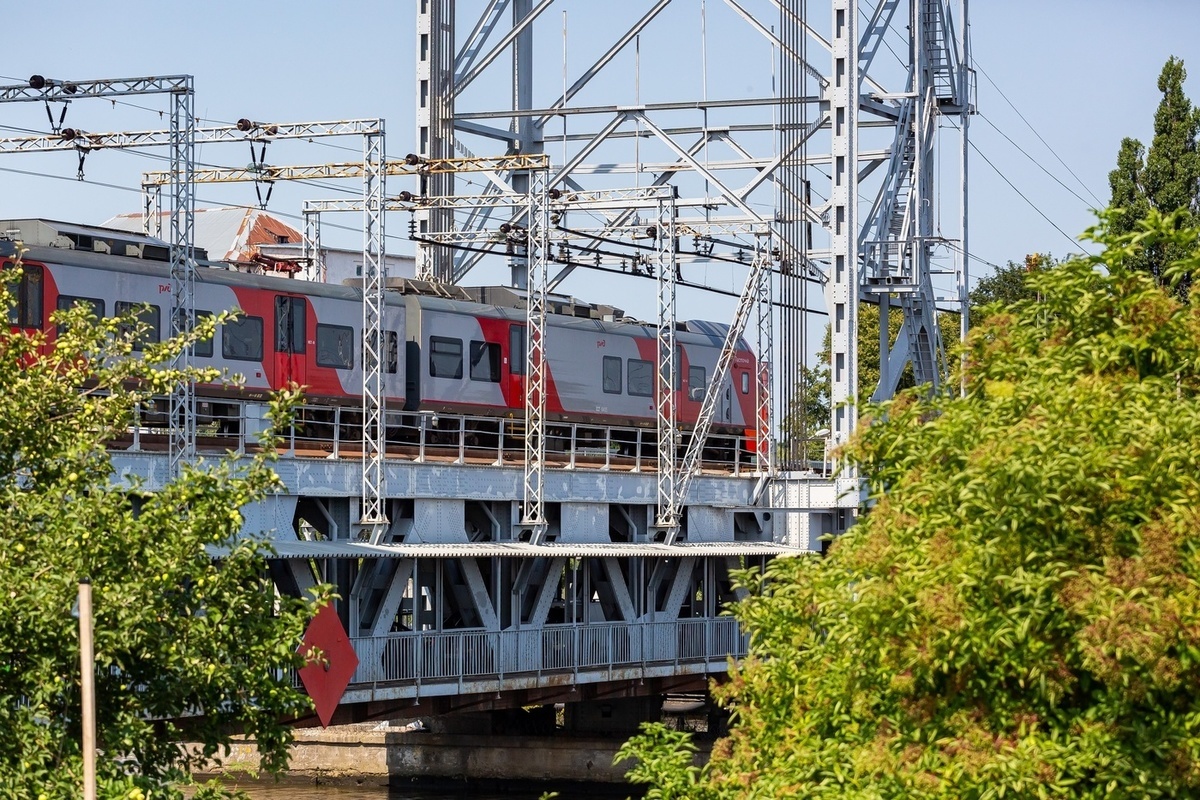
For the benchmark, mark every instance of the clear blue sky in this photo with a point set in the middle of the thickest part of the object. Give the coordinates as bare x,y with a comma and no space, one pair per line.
1082,72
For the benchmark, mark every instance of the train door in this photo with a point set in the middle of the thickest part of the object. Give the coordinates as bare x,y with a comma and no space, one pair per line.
513,373
291,320
28,310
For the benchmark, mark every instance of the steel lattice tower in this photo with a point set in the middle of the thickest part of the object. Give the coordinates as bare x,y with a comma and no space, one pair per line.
825,186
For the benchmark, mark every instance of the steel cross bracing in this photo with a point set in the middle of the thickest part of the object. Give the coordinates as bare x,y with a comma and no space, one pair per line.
374,489
57,90
311,252
180,139
182,401
244,130
858,102
241,131
899,232
352,169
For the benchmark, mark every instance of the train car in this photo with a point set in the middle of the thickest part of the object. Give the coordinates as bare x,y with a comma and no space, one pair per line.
440,355
290,332
469,358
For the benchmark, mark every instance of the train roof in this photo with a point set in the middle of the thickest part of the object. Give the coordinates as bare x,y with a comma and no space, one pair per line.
695,332
53,242
111,248
50,233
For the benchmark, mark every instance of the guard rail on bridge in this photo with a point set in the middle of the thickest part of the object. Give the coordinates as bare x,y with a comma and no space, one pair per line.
426,662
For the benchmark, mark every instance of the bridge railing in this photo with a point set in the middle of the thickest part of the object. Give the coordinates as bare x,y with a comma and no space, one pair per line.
334,431
610,647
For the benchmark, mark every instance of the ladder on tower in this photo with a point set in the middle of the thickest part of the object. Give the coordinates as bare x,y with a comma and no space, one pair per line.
939,50
898,223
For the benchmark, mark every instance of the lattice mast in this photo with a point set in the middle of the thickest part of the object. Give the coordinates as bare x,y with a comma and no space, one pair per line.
533,509
436,85
180,139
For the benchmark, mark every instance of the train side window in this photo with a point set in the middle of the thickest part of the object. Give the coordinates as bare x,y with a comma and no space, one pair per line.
203,347
611,382
242,339
289,324
516,350
148,315
391,352
640,378
485,361
335,346
697,383
445,357
745,383
66,302
26,312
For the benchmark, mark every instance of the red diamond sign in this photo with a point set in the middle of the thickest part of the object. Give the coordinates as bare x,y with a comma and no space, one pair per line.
326,677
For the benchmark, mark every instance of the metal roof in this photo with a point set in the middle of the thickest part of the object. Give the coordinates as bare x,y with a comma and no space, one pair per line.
351,549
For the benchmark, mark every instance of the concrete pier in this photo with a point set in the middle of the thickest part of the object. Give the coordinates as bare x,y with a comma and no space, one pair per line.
573,745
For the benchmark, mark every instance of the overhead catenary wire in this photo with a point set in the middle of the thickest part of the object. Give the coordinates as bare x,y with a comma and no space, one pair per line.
1074,242
595,267
1086,188
1035,162
950,244
138,191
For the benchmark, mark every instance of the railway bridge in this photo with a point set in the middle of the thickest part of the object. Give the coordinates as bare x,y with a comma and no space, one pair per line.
523,562
450,610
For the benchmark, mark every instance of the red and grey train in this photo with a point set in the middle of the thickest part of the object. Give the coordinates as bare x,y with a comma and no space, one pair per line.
441,355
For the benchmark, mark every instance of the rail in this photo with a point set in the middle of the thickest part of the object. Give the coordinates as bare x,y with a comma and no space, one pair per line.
615,649
335,432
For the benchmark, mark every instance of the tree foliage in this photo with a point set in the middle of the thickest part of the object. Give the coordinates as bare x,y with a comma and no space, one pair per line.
1007,285
810,405
176,632
1017,614
1166,179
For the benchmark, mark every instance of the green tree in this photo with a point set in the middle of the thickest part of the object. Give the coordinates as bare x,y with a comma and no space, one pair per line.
806,422
809,409
175,631
1017,614
1006,286
1168,179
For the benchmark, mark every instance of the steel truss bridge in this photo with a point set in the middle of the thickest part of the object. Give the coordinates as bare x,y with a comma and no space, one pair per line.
542,555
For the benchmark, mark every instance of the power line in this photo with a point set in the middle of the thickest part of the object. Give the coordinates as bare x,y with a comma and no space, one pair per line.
1074,242
1036,163
971,256
214,202
1099,203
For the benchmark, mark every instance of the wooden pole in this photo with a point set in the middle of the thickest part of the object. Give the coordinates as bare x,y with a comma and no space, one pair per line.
87,685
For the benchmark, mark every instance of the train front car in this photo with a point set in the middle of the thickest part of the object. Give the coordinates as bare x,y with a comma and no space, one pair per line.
290,333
